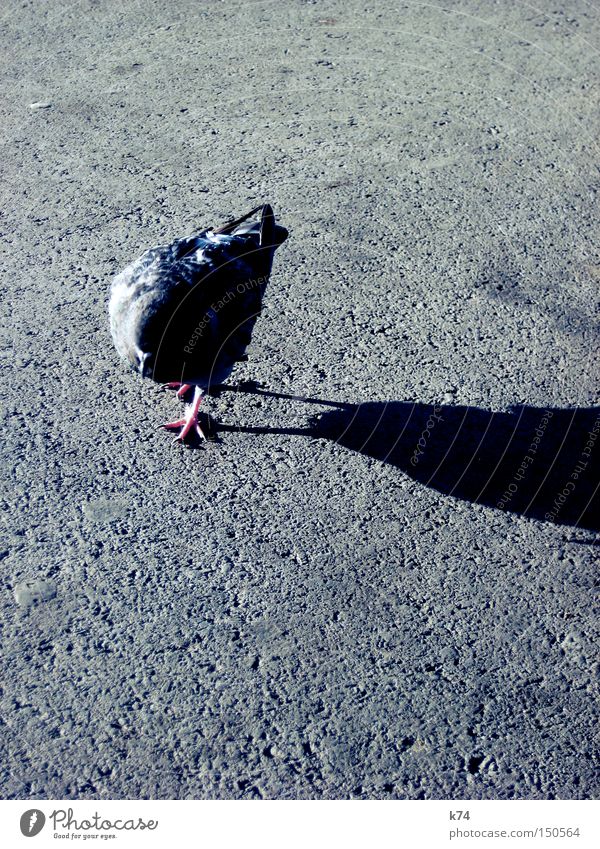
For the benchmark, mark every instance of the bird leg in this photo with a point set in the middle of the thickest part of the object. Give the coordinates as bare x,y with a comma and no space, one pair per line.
190,422
182,388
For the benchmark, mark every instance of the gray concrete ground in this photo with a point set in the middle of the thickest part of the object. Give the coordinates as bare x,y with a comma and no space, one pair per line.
283,614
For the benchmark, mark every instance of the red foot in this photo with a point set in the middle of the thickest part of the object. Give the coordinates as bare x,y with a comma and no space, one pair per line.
182,388
190,423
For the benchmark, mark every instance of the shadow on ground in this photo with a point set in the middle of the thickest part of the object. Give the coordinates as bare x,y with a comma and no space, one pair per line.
543,463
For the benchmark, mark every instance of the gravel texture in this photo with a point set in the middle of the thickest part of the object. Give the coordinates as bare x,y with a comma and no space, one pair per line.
298,610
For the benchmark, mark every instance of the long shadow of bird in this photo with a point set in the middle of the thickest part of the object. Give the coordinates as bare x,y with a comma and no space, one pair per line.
543,463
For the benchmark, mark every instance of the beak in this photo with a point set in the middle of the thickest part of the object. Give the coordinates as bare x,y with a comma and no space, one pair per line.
143,358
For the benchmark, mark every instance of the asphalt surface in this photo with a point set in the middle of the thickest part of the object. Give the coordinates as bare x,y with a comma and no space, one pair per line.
290,612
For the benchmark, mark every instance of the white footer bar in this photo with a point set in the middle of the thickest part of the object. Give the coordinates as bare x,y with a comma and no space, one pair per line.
290,824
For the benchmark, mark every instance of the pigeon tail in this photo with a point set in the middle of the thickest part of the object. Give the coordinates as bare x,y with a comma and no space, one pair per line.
270,234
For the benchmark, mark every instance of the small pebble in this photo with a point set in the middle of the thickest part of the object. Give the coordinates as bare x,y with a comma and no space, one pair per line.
34,592
105,509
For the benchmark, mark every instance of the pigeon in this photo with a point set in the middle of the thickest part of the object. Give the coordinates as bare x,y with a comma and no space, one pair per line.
183,314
